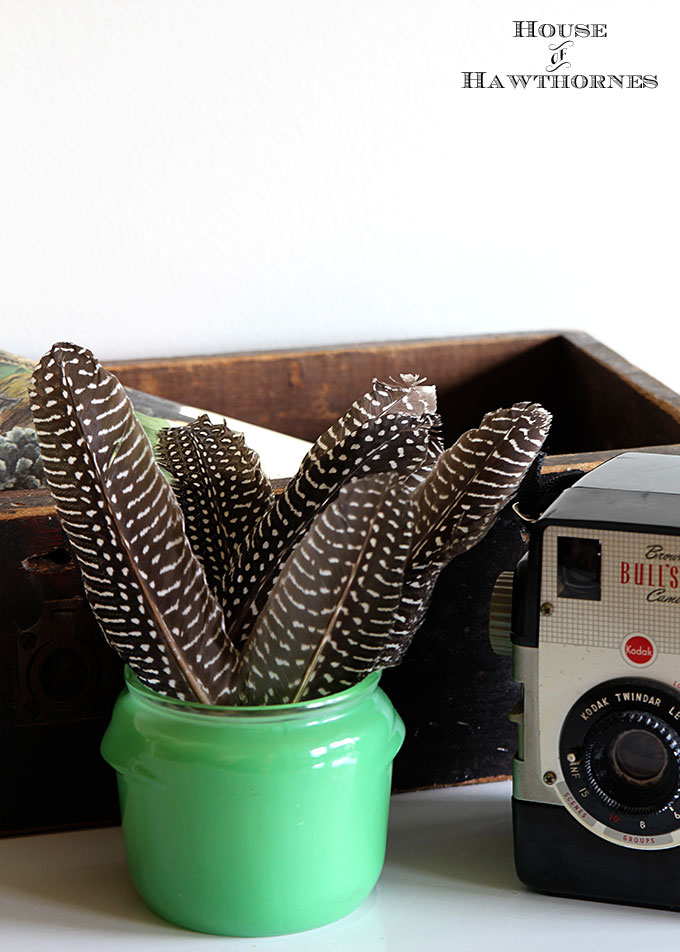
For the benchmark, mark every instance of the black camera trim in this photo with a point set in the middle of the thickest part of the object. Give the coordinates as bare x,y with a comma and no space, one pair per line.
648,705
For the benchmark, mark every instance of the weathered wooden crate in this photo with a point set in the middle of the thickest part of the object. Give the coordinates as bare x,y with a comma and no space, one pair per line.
58,679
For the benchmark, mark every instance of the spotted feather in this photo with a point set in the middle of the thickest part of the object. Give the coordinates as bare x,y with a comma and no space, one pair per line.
325,622
146,588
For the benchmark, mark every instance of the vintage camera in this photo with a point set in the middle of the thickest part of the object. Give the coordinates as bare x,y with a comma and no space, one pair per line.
591,617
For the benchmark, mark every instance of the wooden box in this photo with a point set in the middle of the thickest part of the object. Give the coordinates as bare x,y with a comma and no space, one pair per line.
58,679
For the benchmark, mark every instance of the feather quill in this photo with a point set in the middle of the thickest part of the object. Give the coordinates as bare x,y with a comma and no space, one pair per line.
459,501
325,622
146,588
221,488
390,443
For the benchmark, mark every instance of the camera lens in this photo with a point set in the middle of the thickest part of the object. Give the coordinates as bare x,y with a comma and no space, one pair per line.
620,759
638,757
630,757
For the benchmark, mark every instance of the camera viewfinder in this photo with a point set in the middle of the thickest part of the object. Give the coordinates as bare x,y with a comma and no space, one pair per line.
579,568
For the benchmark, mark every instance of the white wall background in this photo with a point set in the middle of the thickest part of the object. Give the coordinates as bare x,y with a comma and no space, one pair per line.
202,176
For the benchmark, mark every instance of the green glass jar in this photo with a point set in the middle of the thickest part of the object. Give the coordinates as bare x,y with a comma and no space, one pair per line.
254,821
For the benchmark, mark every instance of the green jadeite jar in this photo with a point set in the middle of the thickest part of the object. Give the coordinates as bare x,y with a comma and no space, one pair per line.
254,821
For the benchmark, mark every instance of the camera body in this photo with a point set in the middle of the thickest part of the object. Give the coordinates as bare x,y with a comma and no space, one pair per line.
591,617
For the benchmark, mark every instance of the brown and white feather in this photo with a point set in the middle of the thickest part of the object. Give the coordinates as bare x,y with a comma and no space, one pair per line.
458,503
326,620
146,588
391,443
221,488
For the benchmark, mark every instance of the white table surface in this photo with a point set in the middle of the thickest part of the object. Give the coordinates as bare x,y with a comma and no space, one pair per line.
448,883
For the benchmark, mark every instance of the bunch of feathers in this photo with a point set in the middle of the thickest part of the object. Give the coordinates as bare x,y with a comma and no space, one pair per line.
219,591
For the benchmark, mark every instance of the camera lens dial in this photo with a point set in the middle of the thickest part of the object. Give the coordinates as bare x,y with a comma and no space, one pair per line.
620,756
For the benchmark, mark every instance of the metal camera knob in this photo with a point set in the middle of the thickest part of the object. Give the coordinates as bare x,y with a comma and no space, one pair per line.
500,615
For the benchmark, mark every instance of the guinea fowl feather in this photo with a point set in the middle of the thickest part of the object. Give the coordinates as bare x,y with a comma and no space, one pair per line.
326,620
458,503
390,443
221,488
410,395
145,586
